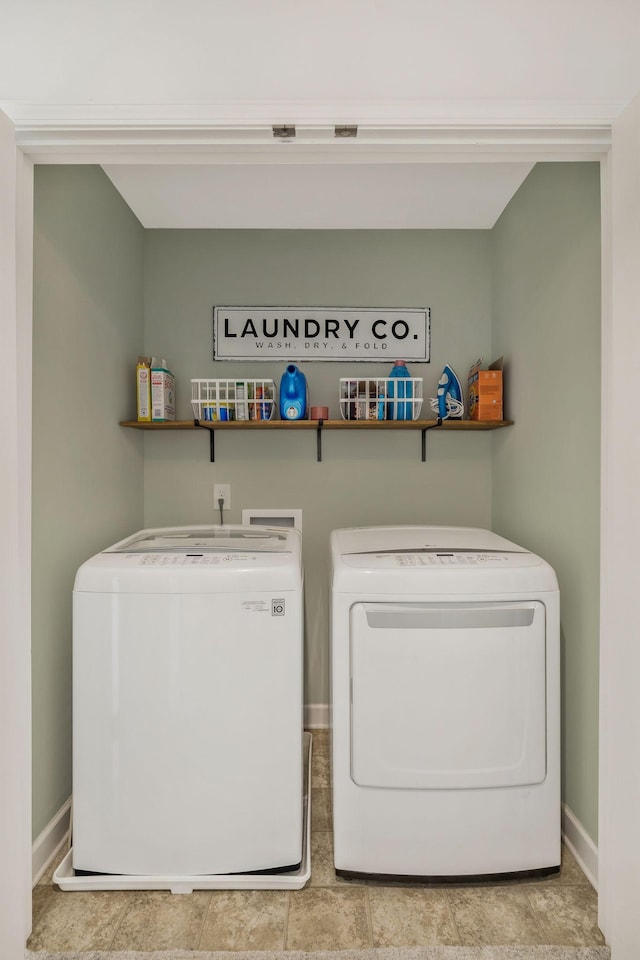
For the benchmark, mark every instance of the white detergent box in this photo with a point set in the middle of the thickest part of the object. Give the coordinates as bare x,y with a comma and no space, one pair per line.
143,388
163,392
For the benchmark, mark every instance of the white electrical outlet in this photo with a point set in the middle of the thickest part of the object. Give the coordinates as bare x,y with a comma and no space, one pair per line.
222,491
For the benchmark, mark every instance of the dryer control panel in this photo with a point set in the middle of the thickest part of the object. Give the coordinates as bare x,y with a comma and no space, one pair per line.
447,559
430,557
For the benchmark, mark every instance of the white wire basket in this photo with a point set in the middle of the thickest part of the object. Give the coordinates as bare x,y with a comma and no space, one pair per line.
233,399
383,398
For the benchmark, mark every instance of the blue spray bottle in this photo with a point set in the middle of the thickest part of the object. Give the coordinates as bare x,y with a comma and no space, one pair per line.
293,394
401,390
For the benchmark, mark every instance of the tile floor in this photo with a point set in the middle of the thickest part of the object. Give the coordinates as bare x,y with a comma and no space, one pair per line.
329,914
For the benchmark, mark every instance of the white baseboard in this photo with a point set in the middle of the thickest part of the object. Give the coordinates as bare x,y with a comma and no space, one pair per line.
48,843
316,716
580,844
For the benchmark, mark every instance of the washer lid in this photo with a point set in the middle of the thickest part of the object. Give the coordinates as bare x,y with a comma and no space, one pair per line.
196,560
212,539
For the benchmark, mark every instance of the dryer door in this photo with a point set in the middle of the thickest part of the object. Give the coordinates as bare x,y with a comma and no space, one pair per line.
448,695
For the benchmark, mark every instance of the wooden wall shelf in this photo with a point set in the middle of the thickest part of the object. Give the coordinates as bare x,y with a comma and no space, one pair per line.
319,426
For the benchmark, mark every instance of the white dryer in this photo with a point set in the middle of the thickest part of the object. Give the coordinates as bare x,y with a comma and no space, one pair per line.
187,704
445,705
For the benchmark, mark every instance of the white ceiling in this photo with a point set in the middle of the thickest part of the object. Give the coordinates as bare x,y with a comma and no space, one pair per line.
199,62
317,196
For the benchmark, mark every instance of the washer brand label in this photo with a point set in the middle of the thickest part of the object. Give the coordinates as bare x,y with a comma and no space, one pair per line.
254,606
277,608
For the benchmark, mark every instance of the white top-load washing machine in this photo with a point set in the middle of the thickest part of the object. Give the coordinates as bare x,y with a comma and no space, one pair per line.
445,705
187,703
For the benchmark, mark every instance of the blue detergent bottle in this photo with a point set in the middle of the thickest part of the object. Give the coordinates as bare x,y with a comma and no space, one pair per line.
402,390
293,394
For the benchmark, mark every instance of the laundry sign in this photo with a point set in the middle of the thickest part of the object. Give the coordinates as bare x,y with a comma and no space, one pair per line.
320,333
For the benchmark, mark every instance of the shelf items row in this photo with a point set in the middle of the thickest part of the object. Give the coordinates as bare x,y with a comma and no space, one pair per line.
374,398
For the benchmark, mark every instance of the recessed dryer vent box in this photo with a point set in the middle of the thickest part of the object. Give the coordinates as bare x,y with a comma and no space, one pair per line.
269,517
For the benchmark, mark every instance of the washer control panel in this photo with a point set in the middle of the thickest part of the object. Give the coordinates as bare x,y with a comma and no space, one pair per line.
192,559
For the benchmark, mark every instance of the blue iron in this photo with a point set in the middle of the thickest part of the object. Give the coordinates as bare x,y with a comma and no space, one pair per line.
448,404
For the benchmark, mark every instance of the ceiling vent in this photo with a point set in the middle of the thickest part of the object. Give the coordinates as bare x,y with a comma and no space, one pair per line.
350,130
285,131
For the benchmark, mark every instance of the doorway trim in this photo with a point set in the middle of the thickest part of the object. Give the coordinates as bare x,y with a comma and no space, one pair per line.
57,139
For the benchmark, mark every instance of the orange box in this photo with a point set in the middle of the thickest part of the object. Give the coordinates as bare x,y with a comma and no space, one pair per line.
485,393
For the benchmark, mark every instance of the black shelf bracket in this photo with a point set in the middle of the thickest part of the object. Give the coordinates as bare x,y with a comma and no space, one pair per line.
431,426
319,441
212,441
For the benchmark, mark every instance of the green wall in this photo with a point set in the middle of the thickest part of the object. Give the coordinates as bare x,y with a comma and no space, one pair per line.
87,471
377,478
546,470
